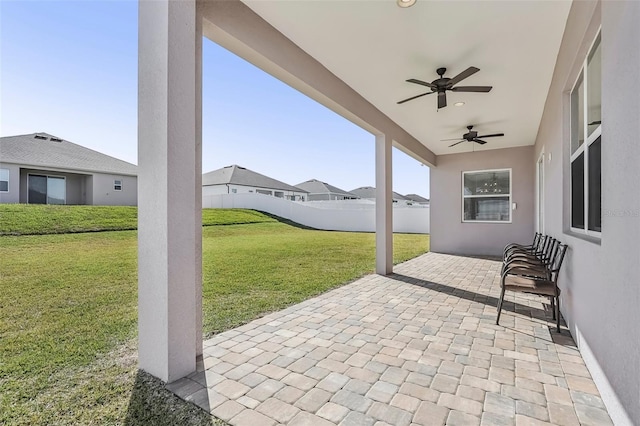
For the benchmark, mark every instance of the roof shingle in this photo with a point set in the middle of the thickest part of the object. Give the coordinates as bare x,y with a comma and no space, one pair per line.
315,186
48,151
237,175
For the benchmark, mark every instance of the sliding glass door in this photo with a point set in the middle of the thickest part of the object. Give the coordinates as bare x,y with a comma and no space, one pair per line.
47,189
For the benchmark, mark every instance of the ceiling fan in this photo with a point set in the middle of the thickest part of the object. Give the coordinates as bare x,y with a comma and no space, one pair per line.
472,136
442,84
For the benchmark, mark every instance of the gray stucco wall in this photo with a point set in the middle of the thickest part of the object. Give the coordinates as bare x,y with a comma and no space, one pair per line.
449,234
600,280
105,195
13,196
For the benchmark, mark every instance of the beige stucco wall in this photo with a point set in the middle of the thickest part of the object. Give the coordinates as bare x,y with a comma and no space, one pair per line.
449,234
105,195
600,278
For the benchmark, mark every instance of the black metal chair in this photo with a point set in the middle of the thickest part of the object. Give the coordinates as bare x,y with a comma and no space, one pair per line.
511,248
535,277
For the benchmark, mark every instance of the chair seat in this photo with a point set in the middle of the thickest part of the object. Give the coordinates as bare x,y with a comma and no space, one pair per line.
530,285
528,270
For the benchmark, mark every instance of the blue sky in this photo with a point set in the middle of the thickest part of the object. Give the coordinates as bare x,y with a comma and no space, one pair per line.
69,68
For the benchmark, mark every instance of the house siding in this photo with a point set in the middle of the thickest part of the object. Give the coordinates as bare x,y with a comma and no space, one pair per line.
242,189
449,234
327,196
600,292
81,188
13,196
104,194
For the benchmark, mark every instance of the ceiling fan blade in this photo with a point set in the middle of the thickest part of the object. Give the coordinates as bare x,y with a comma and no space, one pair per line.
422,83
483,89
480,141
448,140
442,100
414,97
491,136
457,143
464,74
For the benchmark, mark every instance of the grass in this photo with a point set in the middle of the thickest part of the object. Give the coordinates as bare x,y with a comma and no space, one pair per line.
30,219
68,303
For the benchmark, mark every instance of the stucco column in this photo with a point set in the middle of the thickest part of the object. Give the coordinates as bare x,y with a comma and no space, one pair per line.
198,175
169,192
384,206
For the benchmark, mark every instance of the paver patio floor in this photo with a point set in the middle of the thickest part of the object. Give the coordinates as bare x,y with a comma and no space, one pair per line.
417,347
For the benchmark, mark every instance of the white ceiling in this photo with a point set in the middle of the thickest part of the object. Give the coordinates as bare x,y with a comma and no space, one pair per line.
374,46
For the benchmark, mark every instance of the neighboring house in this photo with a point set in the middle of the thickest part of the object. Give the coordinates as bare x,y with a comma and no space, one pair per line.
237,180
417,199
43,169
369,193
322,191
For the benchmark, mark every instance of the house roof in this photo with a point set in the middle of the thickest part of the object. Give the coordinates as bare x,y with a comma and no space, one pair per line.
237,175
43,150
315,186
417,198
370,192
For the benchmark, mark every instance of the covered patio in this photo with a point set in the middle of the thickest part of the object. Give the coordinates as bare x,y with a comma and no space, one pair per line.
418,346
564,82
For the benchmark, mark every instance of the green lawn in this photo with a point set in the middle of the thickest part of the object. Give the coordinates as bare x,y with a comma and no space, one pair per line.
30,219
68,303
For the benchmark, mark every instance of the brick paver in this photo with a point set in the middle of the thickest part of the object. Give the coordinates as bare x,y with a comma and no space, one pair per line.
418,347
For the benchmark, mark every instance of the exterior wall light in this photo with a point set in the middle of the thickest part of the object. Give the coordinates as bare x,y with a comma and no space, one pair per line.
406,3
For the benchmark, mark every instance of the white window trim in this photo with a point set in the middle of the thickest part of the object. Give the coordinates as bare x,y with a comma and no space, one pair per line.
490,195
48,176
8,181
115,184
589,140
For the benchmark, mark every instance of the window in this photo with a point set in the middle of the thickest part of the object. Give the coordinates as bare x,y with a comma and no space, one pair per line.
117,185
486,196
586,140
4,180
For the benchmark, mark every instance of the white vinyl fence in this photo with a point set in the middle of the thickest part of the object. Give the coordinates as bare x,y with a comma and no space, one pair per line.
347,215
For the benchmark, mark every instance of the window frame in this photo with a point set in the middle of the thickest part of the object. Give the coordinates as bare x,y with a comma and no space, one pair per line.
64,178
115,184
589,139
8,180
510,195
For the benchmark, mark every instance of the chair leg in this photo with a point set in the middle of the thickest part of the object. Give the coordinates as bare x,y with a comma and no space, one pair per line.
553,306
557,313
500,306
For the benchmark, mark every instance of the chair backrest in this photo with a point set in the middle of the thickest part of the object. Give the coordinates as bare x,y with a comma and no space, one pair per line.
550,252
540,246
536,239
546,249
557,261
